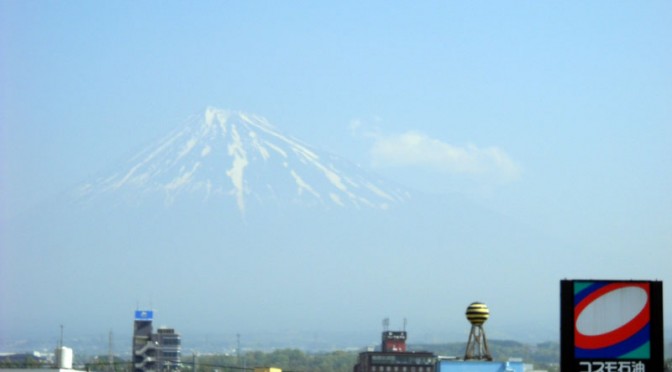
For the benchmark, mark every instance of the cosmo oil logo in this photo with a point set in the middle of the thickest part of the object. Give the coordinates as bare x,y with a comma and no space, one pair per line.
612,320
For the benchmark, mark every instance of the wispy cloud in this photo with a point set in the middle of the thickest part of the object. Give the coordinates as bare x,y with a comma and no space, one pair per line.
414,149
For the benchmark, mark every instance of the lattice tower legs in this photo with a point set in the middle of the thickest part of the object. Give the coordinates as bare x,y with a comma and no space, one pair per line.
477,346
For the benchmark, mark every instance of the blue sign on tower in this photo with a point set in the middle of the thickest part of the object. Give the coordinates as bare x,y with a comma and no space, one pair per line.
146,315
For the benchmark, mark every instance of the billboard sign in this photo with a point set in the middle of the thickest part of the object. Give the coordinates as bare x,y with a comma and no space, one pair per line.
611,325
144,315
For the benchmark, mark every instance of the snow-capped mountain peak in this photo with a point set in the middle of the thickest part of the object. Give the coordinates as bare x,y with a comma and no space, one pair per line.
243,157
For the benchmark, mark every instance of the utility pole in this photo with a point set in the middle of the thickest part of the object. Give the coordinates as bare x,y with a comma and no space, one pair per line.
238,349
110,355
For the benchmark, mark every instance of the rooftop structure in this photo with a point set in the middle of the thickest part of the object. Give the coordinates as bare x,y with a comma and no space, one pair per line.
394,356
477,346
159,351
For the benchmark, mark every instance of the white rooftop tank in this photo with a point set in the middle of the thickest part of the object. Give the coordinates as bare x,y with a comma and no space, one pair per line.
64,357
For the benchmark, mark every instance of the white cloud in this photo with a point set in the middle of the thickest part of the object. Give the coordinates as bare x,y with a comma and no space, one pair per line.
414,149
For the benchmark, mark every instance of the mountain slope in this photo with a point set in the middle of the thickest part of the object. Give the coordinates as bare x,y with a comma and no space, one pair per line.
243,157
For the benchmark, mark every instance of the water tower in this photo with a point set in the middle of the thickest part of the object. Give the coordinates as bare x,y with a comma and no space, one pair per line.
477,346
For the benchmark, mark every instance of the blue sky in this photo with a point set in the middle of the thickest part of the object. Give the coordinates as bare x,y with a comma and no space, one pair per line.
557,114
574,97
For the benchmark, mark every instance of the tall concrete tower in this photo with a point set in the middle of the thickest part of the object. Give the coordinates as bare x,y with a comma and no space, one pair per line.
159,351
144,347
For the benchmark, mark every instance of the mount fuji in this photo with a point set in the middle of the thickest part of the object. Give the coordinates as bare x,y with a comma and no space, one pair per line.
243,158
229,226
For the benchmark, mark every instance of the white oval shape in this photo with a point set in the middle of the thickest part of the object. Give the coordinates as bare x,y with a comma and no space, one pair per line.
611,311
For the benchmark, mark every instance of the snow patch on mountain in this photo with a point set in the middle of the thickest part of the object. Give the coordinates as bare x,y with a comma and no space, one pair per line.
244,157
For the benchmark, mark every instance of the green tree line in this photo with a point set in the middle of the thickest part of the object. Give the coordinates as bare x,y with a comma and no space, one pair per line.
286,359
543,356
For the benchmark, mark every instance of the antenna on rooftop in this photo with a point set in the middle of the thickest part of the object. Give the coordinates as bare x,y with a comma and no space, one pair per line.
386,324
404,329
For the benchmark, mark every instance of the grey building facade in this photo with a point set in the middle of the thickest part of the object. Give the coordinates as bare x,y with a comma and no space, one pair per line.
160,351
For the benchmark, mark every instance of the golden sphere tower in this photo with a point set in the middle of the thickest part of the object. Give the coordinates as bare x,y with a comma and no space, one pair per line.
477,346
